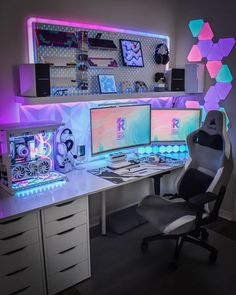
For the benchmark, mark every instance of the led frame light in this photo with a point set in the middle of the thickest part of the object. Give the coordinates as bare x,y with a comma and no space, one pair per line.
33,20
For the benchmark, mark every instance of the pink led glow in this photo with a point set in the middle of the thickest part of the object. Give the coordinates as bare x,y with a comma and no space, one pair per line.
194,54
192,104
32,20
206,32
213,68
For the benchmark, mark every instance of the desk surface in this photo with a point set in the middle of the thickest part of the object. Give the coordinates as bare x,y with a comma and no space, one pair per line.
80,183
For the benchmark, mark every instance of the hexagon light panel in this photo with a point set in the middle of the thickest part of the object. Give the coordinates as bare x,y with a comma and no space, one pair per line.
213,53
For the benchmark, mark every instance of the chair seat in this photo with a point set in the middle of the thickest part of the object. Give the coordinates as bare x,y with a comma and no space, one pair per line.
168,216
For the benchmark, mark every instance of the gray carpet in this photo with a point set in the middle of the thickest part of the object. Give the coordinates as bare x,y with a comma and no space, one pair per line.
119,267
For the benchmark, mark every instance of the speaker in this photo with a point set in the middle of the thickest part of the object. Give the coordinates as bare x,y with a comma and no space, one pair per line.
194,77
34,80
175,79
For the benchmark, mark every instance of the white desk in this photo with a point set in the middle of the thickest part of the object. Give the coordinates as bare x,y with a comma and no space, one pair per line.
47,233
80,183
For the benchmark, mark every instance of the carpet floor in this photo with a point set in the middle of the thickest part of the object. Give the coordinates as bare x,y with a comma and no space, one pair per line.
119,267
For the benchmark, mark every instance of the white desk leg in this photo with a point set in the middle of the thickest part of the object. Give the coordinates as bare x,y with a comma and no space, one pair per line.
103,214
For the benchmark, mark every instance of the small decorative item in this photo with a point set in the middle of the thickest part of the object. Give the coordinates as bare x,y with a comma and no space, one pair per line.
140,86
160,84
131,53
107,84
127,87
82,60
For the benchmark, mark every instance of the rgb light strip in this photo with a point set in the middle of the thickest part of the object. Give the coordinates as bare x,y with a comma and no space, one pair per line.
213,54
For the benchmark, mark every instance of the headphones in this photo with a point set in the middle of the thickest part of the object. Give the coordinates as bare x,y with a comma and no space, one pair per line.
162,54
64,147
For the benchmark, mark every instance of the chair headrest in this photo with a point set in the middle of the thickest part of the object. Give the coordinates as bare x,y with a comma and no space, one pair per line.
215,123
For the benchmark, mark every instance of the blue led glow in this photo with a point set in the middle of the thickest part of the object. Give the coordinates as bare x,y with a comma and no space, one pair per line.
40,188
148,150
175,148
155,149
162,149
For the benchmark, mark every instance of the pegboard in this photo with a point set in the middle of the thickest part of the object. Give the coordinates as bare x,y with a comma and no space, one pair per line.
121,73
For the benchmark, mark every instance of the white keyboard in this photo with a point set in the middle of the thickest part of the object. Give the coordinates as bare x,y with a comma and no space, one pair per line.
119,165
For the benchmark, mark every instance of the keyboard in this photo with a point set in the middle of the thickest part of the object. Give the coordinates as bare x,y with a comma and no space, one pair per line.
119,165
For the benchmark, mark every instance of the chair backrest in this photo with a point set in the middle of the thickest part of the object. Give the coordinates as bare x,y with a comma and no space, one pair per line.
210,161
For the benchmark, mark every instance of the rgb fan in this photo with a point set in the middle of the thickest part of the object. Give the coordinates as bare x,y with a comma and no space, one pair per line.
44,167
18,172
31,169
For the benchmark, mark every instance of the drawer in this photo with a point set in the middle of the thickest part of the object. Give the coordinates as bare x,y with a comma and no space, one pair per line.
33,289
68,277
65,259
21,279
66,240
62,224
19,259
64,209
19,240
18,225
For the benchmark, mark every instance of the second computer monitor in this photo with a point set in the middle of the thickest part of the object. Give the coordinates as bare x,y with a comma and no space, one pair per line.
120,127
174,125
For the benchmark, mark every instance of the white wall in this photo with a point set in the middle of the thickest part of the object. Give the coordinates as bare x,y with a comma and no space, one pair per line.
221,16
157,16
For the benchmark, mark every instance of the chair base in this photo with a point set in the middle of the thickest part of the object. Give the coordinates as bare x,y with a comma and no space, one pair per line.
196,237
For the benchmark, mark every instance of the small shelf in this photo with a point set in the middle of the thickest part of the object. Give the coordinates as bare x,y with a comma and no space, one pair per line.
23,100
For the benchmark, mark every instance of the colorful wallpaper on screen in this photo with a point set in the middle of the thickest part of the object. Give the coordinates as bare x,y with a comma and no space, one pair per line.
119,127
173,125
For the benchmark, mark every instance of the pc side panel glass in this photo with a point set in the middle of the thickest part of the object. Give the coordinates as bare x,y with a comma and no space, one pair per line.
173,124
115,128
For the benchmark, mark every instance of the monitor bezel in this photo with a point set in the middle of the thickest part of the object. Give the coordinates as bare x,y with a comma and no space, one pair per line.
122,53
121,148
175,109
100,88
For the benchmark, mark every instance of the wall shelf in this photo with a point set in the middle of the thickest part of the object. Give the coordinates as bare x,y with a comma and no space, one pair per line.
23,100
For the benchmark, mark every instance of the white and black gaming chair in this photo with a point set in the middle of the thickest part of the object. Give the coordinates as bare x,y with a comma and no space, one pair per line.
200,190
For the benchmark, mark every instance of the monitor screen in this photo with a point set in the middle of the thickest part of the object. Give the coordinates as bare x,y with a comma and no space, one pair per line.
131,53
120,127
174,124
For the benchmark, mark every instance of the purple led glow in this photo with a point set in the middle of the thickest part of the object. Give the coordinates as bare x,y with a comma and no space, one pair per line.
204,47
212,95
194,54
210,106
226,45
215,53
223,89
32,20
213,68
206,32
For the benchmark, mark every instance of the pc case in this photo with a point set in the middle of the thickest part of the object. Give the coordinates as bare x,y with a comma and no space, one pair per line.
26,155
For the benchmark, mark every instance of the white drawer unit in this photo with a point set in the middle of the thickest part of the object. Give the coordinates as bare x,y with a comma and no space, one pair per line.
21,259
65,230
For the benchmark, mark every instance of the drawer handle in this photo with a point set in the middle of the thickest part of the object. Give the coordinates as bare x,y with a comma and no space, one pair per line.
12,220
67,250
13,236
66,231
17,271
70,267
66,217
65,204
21,290
15,251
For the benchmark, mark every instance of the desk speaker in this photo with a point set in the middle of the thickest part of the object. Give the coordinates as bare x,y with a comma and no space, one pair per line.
34,80
175,79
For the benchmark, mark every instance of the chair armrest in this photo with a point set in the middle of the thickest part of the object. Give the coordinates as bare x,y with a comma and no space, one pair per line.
202,199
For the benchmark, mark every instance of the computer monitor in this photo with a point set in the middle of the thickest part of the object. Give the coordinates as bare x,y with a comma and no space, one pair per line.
121,127
174,125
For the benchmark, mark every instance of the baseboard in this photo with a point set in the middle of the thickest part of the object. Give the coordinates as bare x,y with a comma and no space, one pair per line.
94,221
226,214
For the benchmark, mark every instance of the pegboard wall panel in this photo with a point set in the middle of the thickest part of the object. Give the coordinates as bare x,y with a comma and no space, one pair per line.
121,73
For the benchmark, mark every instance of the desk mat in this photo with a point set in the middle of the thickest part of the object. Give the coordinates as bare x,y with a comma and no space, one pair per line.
117,178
